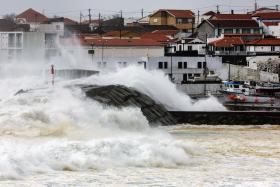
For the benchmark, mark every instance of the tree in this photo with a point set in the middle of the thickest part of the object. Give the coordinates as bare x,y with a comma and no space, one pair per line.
11,17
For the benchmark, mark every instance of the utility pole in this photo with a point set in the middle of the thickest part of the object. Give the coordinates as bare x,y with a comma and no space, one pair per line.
81,15
89,16
198,17
142,12
218,9
99,20
256,5
205,66
120,23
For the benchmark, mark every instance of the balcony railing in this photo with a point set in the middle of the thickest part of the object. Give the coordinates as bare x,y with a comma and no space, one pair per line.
229,53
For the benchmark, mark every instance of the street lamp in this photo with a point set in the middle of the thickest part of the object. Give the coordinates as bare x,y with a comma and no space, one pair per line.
169,51
91,52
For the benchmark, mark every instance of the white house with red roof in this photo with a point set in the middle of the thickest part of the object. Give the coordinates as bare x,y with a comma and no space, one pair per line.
264,46
270,21
31,17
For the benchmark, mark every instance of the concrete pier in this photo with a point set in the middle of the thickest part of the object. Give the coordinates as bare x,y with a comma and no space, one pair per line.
227,117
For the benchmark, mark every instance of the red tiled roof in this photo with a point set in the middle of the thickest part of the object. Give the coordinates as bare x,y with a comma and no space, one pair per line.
231,16
117,33
227,42
166,32
120,42
267,15
155,36
181,13
31,15
234,23
68,21
209,13
265,42
178,13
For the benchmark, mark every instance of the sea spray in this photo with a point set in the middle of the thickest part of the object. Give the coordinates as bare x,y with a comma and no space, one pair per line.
54,128
157,85
57,128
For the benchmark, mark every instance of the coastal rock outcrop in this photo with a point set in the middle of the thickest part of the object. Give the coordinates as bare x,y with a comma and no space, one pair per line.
122,96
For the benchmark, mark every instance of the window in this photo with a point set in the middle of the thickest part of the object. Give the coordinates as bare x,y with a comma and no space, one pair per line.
238,31
228,31
272,48
180,65
185,78
236,86
18,40
185,65
190,76
57,27
165,65
183,21
160,65
256,31
124,64
189,48
247,31
199,65
204,64
11,39
180,47
104,64
179,21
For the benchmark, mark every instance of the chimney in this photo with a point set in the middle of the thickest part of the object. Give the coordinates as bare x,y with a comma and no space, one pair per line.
232,11
277,7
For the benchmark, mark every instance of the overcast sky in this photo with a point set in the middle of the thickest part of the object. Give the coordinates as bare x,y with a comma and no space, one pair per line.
71,8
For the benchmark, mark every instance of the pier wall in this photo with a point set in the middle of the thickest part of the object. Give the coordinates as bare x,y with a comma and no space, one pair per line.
227,118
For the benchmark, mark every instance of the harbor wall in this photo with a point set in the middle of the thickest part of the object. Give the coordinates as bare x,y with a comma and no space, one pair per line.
227,118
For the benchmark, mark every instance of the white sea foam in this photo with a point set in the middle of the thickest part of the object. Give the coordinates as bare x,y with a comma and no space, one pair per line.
58,128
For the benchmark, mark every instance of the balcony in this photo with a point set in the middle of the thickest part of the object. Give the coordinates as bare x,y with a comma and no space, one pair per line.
229,53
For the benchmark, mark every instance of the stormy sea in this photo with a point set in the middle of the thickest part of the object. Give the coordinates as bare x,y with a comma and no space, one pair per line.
54,135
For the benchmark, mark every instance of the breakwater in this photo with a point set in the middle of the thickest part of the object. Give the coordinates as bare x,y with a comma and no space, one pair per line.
227,117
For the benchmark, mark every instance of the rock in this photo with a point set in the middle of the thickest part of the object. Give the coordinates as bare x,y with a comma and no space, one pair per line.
122,96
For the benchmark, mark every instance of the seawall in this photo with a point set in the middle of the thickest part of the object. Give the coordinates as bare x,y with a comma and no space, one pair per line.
227,118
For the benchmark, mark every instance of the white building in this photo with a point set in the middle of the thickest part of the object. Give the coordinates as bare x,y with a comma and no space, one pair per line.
31,17
23,45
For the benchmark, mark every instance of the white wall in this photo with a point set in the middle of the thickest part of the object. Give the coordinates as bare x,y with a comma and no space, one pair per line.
54,27
127,52
262,48
275,30
268,77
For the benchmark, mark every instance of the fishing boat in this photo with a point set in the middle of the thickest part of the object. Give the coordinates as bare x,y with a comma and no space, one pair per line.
270,89
239,92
